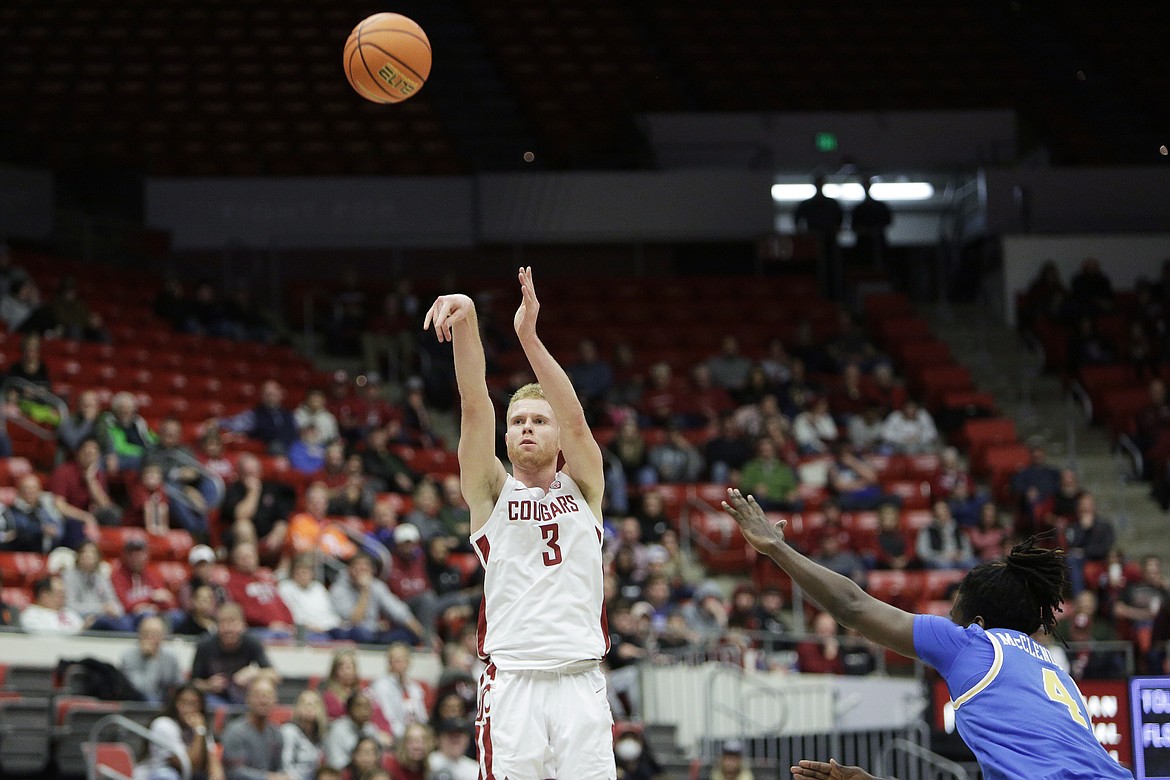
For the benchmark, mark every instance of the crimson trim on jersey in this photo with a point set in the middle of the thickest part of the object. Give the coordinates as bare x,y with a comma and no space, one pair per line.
484,731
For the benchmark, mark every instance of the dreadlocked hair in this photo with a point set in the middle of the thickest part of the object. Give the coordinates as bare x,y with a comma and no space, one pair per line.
1023,592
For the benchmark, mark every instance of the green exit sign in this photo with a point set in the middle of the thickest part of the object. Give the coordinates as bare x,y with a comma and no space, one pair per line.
826,142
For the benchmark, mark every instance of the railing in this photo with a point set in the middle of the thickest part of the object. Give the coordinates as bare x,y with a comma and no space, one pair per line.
917,762
29,391
122,722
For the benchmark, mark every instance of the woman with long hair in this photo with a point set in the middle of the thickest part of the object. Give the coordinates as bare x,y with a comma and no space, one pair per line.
365,760
1014,707
343,681
409,761
183,727
303,735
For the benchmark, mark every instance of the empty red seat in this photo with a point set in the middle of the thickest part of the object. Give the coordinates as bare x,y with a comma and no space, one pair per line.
111,759
979,435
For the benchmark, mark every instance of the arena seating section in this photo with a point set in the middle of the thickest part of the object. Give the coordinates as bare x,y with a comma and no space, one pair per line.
250,87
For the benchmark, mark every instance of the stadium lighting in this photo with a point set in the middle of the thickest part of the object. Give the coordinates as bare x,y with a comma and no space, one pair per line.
851,191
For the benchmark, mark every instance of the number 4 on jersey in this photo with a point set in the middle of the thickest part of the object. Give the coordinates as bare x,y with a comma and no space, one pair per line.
551,533
1059,694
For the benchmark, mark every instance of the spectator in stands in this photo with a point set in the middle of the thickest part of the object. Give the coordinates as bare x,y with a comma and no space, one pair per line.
366,604
1152,422
302,736
847,398
727,451
269,422
227,661
942,544
729,369
90,593
965,506
356,495
309,603
892,551
427,511
769,479
456,514
663,397
730,765
341,683
384,521
675,459
183,727
950,474
1064,502
190,492
313,530
124,435
346,731
80,425
211,455
593,379
1037,482
39,521
141,591
449,758
629,445
853,482
401,700
21,309
47,614
704,402
706,613
1088,347
1090,537
313,412
1084,624
821,654
773,369
69,313
1141,601
681,568
256,509
409,760
865,430
82,483
1092,292
149,666
886,389
149,506
252,744
199,619
989,534
1044,295
201,560
836,557
307,454
814,428
388,469
910,430
652,516
256,593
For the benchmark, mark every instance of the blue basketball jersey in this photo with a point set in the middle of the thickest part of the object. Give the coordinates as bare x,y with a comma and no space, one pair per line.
1020,714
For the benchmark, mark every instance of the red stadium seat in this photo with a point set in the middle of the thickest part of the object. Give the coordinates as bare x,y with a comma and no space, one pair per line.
979,435
113,760
21,568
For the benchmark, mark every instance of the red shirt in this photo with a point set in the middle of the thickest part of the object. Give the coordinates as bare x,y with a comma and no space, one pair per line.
139,496
259,598
408,577
399,772
68,481
810,659
134,590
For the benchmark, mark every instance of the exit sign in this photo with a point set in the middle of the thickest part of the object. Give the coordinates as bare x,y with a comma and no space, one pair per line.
826,142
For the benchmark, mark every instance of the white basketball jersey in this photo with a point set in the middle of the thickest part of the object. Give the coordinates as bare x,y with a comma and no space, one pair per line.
542,593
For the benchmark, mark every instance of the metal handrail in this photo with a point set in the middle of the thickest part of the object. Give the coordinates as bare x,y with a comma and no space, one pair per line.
186,460
40,394
939,763
125,723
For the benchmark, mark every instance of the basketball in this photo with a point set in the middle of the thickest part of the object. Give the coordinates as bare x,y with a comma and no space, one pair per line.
387,58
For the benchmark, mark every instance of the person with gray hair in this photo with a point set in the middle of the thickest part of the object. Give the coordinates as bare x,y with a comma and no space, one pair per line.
152,668
124,435
252,744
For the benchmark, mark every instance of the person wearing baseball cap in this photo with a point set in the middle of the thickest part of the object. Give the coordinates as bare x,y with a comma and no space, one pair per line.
730,765
450,756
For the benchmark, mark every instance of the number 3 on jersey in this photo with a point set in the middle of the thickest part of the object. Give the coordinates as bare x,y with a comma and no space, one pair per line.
551,533
1059,694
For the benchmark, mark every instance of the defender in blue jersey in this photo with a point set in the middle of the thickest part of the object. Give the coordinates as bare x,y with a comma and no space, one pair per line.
1018,712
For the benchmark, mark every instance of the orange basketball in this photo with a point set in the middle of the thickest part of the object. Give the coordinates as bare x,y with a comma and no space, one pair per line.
387,58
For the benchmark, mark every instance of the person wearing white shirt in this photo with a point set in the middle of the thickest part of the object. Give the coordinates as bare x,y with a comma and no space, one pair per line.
814,428
308,600
48,614
313,412
450,756
401,701
910,430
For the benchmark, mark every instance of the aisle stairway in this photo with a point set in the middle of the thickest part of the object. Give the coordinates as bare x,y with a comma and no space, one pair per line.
1038,403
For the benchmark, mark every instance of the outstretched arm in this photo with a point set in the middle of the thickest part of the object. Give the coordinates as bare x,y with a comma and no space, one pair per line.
481,474
839,596
582,455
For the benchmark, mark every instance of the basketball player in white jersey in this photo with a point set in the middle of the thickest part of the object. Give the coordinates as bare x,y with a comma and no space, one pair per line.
543,710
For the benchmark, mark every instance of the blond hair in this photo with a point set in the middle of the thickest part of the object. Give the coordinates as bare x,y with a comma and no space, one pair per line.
530,390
